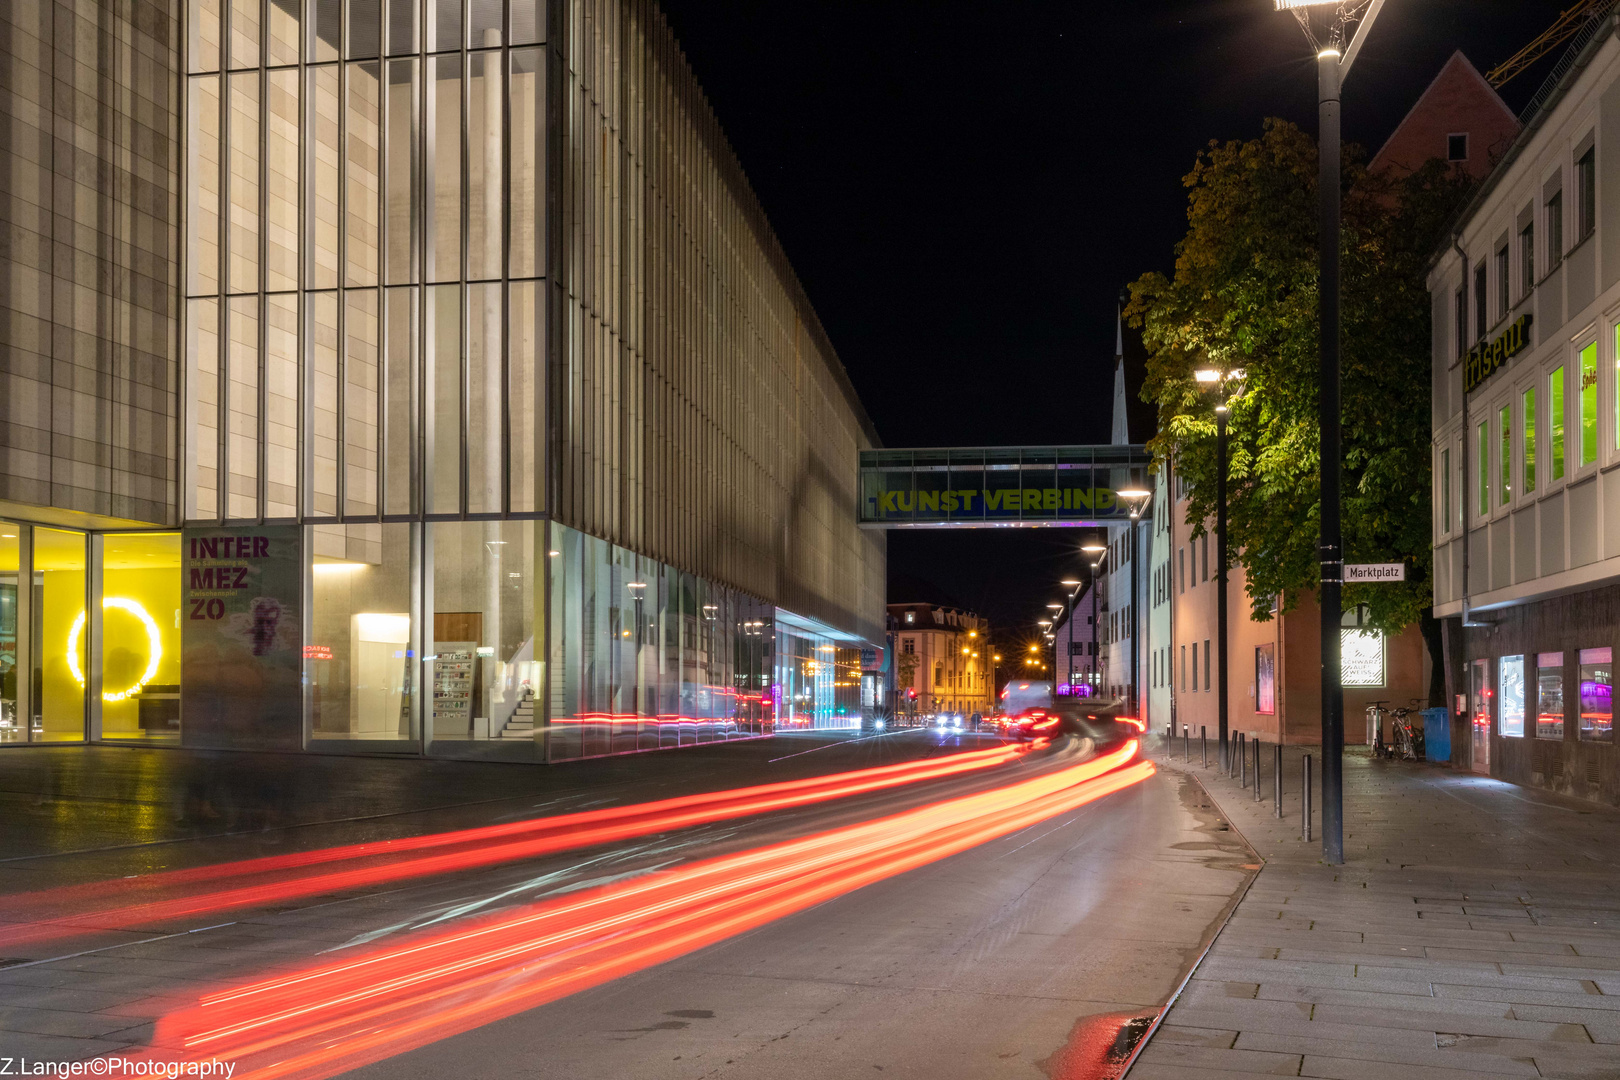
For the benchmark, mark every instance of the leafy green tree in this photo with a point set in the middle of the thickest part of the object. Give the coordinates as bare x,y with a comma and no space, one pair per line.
1244,297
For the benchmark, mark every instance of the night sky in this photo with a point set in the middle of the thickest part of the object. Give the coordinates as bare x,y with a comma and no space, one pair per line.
965,188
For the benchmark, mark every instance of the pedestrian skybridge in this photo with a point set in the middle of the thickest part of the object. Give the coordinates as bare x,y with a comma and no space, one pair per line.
1001,486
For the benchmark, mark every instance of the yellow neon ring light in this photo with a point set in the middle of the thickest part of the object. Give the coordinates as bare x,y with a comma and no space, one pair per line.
154,646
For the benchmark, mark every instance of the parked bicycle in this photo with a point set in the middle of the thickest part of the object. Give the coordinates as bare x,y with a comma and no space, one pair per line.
1406,738
1375,727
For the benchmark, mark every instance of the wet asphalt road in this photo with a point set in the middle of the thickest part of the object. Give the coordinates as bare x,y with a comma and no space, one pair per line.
988,963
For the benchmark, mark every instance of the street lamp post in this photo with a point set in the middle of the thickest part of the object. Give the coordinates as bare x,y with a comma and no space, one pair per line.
1101,553
1332,66
1223,705
1138,499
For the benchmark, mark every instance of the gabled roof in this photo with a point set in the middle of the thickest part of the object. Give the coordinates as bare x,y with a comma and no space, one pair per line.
1458,100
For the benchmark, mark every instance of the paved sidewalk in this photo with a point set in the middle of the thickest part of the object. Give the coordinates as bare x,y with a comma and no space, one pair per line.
1474,930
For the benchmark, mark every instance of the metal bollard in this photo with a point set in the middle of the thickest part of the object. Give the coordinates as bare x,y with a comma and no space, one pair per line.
1186,744
1243,761
1257,770
1276,770
1305,798
1203,743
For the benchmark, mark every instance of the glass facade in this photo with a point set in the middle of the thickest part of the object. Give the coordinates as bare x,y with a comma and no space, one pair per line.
647,657
363,249
433,502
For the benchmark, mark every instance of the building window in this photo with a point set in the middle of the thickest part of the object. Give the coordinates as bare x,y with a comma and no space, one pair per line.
1481,448
1504,417
1205,557
1510,691
1461,312
1585,195
1527,258
1527,418
1207,659
1555,423
1362,658
1265,679
1181,568
1445,491
1597,695
1550,695
911,618
1587,403
1502,302
1195,665
1480,313
939,674
1457,146
1555,229
908,646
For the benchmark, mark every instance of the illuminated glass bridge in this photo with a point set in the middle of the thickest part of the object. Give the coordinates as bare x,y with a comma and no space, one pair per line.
1000,486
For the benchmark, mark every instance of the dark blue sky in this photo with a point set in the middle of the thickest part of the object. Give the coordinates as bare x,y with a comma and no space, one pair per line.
964,188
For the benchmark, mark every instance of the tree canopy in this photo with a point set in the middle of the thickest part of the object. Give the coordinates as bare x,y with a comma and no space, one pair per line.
1244,296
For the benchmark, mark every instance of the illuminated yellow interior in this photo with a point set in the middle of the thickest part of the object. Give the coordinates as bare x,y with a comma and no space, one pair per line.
141,577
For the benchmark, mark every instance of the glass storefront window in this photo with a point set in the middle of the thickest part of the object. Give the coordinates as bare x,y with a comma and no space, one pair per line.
1597,695
360,656
1555,422
483,664
643,656
1589,404
1550,695
58,636
12,728
1510,713
140,636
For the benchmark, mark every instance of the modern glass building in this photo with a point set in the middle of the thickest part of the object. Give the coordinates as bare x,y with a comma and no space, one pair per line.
411,376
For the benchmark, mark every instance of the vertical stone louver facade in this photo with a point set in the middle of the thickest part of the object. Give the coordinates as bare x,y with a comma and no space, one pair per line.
88,239
700,414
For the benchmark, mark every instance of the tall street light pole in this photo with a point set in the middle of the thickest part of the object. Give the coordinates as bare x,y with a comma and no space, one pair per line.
1138,499
1100,552
1223,705
1332,65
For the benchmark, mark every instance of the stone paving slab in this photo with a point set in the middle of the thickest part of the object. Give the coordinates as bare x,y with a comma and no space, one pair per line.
1474,930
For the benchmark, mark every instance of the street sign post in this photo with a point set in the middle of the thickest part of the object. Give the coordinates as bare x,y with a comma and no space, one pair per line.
1368,573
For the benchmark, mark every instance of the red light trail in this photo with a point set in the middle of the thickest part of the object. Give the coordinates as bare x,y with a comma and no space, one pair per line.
366,1006
389,861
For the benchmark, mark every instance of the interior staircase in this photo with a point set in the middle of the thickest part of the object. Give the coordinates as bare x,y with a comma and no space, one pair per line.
521,723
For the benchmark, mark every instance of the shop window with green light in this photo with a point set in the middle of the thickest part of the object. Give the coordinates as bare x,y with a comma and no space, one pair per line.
1555,423
1505,455
140,636
1587,403
1528,421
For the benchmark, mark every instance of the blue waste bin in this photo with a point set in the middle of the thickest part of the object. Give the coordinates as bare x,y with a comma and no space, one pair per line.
1437,734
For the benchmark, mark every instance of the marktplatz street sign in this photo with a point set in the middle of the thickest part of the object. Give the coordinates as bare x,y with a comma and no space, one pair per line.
1367,573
